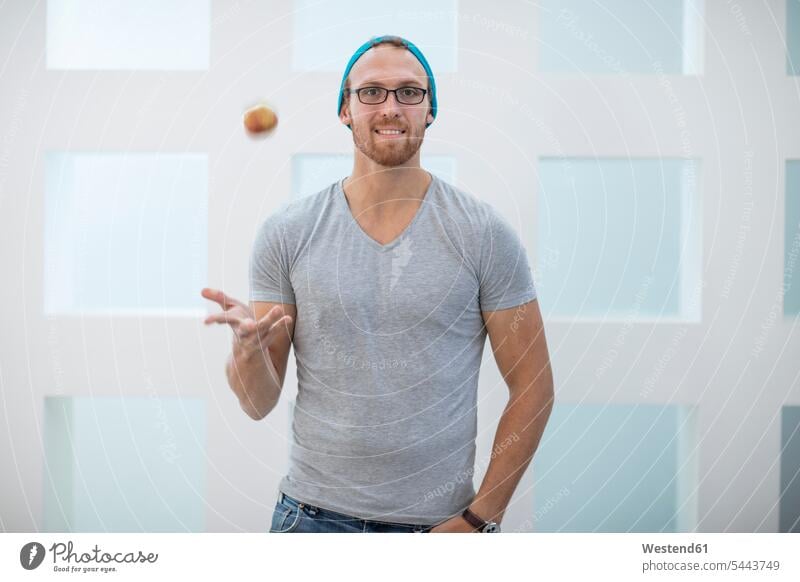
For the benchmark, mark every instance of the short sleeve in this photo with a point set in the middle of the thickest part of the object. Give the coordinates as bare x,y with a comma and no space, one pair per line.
505,277
269,265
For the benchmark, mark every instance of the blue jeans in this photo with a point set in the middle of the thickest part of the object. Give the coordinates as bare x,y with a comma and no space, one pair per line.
293,516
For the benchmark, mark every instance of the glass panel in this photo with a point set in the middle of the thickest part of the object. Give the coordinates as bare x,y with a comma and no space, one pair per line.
125,233
314,172
790,470
326,34
619,239
791,268
616,468
133,464
793,37
620,36
120,34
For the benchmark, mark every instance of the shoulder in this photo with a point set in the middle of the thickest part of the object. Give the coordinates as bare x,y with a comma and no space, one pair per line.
466,209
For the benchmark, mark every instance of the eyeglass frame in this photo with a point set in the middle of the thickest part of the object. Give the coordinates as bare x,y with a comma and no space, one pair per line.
356,91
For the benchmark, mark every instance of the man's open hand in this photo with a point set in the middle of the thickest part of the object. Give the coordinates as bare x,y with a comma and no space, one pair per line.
250,335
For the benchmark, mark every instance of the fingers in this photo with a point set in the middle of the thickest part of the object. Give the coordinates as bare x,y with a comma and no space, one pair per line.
271,318
281,324
268,326
249,326
224,317
246,329
266,335
251,334
219,297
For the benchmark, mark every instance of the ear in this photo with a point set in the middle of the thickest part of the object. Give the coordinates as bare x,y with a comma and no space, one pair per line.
429,117
344,113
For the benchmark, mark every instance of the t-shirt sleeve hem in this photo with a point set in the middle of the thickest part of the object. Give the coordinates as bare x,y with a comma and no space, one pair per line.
271,297
509,301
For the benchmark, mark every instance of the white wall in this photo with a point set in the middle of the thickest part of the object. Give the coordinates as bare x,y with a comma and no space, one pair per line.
498,115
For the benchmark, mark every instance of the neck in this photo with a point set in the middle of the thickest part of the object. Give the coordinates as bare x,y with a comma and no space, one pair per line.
371,184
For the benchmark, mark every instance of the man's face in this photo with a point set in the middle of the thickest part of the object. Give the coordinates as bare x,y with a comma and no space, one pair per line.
390,67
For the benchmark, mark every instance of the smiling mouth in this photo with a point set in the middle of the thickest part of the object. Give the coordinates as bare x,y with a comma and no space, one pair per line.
390,132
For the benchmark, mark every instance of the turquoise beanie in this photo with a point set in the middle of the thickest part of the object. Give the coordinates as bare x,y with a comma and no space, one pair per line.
414,51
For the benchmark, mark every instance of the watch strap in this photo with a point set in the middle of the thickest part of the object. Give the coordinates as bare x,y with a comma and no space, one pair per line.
474,520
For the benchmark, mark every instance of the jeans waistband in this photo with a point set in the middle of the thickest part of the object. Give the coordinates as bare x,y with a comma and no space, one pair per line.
315,508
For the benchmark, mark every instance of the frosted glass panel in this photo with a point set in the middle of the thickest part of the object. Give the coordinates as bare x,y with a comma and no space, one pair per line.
793,37
327,32
125,34
125,233
791,270
133,464
619,239
790,470
313,172
616,468
621,36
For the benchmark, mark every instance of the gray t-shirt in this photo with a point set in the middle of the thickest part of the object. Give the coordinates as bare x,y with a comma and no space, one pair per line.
388,343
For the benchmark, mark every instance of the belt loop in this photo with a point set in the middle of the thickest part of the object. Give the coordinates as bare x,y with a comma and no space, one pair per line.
281,497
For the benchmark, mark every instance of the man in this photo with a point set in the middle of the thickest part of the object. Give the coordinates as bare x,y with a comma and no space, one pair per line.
387,283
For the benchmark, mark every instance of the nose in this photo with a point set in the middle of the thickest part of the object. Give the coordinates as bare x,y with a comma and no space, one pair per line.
391,105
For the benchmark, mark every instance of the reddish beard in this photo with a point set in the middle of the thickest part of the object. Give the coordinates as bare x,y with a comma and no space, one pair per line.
387,151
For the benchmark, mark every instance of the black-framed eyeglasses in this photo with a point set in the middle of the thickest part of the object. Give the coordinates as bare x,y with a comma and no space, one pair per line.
376,95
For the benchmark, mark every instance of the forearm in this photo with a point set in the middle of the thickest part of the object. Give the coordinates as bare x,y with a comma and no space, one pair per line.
518,434
253,378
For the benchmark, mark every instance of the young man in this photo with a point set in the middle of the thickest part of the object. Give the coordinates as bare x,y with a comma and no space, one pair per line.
387,283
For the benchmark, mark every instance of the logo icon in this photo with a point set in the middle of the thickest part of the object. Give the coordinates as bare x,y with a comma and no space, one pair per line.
31,555
401,254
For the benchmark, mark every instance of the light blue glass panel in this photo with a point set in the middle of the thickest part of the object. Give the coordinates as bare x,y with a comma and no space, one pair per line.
314,172
621,36
791,270
793,37
121,34
618,238
327,33
615,468
790,470
125,233
132,464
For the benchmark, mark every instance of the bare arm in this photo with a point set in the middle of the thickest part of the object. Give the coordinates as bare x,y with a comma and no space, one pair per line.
520,349
256,367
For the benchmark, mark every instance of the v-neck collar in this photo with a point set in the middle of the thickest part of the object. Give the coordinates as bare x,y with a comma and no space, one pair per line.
394,242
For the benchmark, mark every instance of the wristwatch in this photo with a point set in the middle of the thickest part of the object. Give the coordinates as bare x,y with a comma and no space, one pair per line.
479,524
